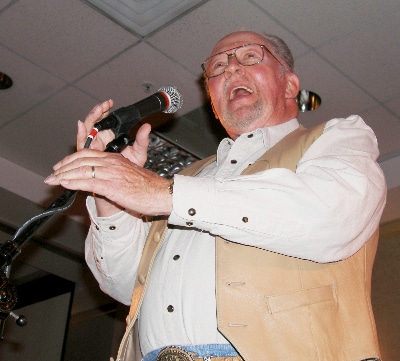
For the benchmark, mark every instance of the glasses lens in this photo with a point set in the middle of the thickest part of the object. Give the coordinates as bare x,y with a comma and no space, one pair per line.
246,55
250,54
216,64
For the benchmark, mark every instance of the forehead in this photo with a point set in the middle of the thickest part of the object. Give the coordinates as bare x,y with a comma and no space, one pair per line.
237,39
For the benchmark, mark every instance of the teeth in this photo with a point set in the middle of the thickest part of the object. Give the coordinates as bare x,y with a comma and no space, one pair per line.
234,90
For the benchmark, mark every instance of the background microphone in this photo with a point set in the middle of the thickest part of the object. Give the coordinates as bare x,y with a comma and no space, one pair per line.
167,99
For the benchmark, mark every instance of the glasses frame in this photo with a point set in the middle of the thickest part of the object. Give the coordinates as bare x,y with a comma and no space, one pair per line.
231,53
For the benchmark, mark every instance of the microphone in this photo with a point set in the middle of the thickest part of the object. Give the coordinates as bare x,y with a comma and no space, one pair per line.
168,99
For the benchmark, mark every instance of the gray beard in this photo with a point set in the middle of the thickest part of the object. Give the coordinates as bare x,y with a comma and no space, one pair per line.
242,117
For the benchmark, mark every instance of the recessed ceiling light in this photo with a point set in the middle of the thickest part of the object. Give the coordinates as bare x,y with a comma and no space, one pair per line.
5,81
308,100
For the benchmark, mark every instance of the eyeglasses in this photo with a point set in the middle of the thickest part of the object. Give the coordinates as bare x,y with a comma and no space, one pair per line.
247,55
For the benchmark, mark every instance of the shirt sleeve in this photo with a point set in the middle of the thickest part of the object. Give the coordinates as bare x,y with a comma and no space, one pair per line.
324,212
113,248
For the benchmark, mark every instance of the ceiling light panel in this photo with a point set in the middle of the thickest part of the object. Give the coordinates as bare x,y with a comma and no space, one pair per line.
143,16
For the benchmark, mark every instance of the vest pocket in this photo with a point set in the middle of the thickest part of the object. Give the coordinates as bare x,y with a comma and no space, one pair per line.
300,298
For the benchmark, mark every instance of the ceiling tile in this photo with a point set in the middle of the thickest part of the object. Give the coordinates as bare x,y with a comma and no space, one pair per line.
340,97
27,184
191,40
317,21
30,87
68,40
370,56
386,127
122,78
40,138
4,3
394,106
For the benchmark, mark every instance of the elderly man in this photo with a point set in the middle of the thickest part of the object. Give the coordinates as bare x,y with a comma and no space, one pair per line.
263,252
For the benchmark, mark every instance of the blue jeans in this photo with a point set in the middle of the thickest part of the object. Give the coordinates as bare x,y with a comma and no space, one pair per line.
216,350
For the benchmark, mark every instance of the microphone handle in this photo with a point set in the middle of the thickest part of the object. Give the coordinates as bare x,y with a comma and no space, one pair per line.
124,119
120,121
154,103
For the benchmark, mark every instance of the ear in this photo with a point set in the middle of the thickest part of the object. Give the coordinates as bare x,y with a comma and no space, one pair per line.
292,85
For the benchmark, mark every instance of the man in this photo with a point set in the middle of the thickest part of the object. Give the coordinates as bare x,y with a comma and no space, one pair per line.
266,252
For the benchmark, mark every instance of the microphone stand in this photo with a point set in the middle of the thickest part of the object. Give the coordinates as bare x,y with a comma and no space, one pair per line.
11,249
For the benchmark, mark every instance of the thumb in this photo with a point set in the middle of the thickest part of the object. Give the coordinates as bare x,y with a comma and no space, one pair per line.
143,137
137,153
81,136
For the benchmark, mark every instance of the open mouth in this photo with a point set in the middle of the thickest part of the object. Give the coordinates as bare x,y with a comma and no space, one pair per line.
239,91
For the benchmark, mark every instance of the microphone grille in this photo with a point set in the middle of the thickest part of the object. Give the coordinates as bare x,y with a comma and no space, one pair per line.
175,98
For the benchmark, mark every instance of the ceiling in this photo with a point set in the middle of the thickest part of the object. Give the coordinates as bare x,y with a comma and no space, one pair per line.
66,56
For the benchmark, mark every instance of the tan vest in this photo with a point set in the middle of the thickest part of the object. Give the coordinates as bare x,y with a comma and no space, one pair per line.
274,307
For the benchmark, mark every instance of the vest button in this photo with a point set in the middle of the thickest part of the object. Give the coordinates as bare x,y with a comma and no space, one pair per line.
156,237
245,219
170,308
142,279
191,212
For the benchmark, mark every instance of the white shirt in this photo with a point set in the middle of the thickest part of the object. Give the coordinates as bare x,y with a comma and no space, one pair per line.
324,212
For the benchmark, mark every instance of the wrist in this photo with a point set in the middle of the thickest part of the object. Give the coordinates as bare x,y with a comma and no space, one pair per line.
105,207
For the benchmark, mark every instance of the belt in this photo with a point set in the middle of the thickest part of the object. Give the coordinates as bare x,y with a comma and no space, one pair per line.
176,353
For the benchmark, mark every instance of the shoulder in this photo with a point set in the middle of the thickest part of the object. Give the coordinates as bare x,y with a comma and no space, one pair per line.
349,135
351,122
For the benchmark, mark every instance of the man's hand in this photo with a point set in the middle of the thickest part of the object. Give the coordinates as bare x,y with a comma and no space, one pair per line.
117,178
126,184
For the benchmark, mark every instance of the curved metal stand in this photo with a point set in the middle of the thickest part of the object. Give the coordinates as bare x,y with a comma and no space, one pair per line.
11,249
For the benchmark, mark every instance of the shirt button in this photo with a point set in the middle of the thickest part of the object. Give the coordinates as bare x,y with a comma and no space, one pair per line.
170,308
245,219
112,228
176,257
97,227
189,224
250,136
233,161
191,212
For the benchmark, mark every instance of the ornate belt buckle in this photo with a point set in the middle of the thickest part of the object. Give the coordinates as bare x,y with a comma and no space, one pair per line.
174,353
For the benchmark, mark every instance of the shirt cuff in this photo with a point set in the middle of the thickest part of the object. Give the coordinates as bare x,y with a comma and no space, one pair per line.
191,201
110,227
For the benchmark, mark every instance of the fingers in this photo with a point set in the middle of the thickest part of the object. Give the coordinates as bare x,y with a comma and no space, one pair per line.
86,172
99,112
79,159
123,183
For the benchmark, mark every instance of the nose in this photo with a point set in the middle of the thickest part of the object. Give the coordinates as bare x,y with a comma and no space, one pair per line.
233,66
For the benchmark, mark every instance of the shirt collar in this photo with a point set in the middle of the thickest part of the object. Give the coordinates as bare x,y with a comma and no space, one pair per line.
274,134
270,135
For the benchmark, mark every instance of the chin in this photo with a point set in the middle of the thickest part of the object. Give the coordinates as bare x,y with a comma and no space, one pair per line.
243,118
